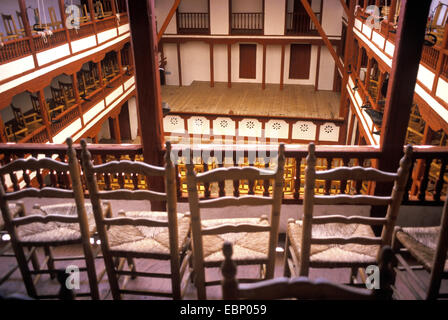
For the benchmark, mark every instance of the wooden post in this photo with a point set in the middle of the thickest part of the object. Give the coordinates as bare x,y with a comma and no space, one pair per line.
2,131
282,67
77,96
120,65
400,93
26,26
149,100
421,163
44,113
212,66
63,18
229,65
263,81
392,10
100,74
316,82
179,64
92,18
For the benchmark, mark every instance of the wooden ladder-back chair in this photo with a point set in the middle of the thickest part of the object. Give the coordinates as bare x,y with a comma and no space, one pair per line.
55,24
31,120
19,19
51,225
10,28
428,245
59,98
303,288
140,234
257,237
68,91
337,241
99,12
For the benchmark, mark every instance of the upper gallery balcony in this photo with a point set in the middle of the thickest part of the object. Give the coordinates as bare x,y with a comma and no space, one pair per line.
246,17
33,38
193,17
298,22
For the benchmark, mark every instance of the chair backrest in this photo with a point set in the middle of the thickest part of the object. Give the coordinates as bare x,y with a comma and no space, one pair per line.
42,167
19,19
67,89
99,12
54,21
10,25
393,201
58,96
18,115
233,174
134,168
303,288
35,103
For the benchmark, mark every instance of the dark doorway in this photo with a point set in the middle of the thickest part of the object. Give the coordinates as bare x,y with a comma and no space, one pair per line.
299,66
125,125
301,19
248,61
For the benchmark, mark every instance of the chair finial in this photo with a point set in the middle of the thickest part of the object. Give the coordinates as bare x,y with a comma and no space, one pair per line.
69,142
228,270
168,153
311,147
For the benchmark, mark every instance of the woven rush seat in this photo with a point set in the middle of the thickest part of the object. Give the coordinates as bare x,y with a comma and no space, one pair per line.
56,231
421,243
152,240
247,246
339,255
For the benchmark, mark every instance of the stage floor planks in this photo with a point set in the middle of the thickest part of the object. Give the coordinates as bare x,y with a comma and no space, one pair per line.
250,99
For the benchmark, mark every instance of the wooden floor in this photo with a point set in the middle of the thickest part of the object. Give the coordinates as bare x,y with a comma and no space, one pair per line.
250,99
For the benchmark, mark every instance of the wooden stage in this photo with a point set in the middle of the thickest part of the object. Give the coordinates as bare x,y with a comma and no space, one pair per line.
250,99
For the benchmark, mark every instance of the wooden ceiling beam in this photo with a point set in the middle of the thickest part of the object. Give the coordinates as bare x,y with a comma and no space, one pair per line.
322,33
168,19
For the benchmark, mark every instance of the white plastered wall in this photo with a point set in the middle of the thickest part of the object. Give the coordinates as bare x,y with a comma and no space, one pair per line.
162,8
219,17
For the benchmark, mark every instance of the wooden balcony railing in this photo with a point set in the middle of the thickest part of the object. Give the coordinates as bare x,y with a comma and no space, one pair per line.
106,23
14,49
430,56
431,185
45,42
85,29
193,23
247,23
300,23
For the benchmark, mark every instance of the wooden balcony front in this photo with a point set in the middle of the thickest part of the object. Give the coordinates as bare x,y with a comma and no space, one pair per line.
247,23
193,23
300,24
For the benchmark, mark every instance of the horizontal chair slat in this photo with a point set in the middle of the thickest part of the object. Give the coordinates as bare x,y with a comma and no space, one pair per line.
347,220
122,221
231,228
239,173
132,195
352,200
356,173
235,201
45,219
33,164
126,166
46,192
356,240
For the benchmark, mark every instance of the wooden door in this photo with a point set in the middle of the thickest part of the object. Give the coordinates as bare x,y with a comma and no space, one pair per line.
124,121
299,66
248,61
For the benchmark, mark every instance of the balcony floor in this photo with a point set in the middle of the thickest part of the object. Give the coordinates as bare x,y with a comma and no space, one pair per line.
249,99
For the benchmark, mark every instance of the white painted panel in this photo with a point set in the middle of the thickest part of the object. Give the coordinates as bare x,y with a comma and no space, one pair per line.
16,67
84,43
53,54
133,117
195,57
358,24
198,125
378,39
274,17
89,115
172,69
390,48
173,124
437,107
329,132
355,129
304,130
332,17
107,35
426,77
367,31
273,64
220,62
442,90
114,95
224,127
278,129
129,83
219,16
249,128
326,70
123,29
69,131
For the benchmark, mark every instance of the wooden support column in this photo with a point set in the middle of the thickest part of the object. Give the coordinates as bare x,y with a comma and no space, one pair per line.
2,130
44,113
420,165
26,26
92,18
392,10
77,96
117,129
229,65
149,100
316,82
63,18
100,74
179,64
282,67
400,93
212,66
263,81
